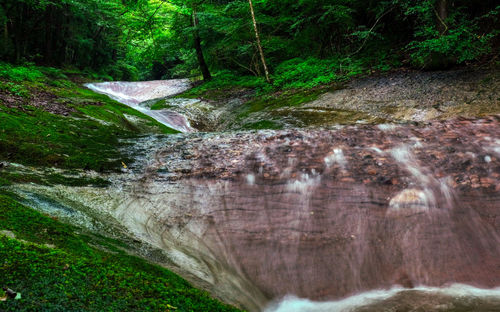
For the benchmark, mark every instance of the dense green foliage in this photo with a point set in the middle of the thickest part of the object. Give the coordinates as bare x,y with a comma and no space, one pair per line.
306,43
76,32
55,268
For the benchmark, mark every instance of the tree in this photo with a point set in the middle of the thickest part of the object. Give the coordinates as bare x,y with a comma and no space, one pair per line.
197,46
442,15
259,45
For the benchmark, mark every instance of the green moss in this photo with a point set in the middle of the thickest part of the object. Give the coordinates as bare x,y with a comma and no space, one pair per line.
35,137
161,104
263,124
4,181
291,99
14,88
50,179
30,225
225,85
20,73
324,117
73,276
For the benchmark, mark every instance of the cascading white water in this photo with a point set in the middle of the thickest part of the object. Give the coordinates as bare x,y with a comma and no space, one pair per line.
417,299
134,93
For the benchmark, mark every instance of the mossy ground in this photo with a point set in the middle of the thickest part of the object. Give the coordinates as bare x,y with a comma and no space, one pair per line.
160,104
279,100
55,122
57,268
10,176
263,106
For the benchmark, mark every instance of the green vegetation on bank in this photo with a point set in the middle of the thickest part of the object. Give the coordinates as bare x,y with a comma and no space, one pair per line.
56,122
55,267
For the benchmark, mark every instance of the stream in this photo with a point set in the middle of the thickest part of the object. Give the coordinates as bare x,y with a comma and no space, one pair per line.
385,217
135,93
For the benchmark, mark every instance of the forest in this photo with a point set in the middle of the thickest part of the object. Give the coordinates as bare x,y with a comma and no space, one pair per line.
250,155
304,43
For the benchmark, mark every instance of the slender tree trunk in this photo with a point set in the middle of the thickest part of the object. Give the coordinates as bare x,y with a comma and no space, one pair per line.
197,45
442,15
61,38
259,45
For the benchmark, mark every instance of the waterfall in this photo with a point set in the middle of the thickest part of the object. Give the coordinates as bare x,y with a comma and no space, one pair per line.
135,93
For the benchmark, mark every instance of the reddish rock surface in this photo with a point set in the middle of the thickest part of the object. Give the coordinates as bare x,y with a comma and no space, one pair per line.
325,214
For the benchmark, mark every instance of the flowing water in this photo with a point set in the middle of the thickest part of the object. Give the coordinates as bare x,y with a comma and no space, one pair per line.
358,218
135,93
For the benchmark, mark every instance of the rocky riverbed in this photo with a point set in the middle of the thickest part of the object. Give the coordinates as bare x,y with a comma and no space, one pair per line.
326,211
320,214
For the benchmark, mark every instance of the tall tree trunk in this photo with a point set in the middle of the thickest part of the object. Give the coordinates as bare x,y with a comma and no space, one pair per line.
259,45
442,15
197,45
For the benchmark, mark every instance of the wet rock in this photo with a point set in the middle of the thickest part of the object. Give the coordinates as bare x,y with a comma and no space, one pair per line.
306,212
269,213
8,234
408,202
134,94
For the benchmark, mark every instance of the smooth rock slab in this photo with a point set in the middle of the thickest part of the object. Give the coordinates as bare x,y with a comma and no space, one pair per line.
313,213
322,214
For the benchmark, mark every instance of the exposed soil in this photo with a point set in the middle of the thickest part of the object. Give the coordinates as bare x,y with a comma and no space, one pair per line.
43,100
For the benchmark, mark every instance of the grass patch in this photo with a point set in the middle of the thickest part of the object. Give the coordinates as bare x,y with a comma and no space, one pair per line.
161,104
74,276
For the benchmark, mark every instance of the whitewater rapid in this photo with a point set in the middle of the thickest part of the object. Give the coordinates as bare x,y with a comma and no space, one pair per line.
134,93
445,298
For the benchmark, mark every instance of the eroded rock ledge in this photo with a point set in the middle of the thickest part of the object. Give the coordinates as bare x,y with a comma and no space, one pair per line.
323,214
